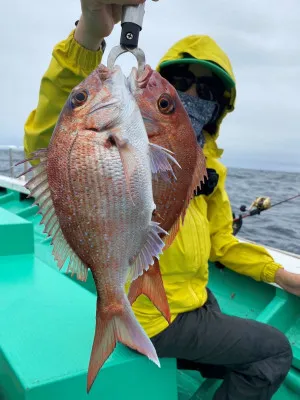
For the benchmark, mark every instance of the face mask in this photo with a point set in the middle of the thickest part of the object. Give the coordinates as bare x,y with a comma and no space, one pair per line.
200,111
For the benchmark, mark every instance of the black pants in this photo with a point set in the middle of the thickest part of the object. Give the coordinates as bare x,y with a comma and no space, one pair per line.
252,358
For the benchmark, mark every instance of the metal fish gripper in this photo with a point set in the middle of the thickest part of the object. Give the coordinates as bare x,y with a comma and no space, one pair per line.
132,22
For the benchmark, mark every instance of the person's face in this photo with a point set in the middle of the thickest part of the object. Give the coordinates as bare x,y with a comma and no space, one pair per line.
195,80
198,71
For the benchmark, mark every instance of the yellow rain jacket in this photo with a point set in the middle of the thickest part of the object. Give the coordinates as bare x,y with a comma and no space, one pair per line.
207,230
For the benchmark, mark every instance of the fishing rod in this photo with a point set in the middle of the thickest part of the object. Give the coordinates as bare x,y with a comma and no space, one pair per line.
259,205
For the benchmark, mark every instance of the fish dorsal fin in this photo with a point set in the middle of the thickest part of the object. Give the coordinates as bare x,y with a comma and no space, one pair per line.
198,177
152,248
38,185
200,173
172,233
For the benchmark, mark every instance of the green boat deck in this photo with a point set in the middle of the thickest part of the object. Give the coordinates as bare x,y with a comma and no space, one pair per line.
48,318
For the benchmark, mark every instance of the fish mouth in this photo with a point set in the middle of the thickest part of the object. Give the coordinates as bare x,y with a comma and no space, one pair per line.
144,78
139,82
103,72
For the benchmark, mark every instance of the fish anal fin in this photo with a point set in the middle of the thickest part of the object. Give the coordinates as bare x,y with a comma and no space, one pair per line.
151,285
152,247
62,251
76,266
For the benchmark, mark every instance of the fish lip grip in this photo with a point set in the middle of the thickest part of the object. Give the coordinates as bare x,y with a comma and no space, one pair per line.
118,50
132,22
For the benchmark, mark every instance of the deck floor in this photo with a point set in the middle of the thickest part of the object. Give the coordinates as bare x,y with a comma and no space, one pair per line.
74,314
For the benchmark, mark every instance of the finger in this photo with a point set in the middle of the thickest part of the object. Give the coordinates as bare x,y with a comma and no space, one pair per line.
116,13
123,2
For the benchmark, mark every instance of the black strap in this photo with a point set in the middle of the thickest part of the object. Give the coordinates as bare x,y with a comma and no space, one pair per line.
209,184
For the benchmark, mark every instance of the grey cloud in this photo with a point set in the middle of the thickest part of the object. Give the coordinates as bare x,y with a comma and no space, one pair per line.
261,39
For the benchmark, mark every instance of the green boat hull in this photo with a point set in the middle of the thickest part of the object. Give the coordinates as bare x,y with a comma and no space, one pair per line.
47,325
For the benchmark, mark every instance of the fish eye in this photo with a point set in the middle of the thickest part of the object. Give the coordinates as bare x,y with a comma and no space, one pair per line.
79,98
166,104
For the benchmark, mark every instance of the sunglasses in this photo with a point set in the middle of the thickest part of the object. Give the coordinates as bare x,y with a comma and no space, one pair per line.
207,87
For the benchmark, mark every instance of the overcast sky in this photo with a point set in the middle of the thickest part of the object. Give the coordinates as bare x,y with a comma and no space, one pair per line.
260,37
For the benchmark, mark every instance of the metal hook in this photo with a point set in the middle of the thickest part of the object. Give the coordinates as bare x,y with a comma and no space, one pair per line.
119,50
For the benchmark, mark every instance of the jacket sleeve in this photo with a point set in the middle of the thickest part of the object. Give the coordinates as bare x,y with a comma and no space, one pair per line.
70,64
243,258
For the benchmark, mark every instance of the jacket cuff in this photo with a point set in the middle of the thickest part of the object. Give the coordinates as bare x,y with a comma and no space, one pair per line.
269,272
80,57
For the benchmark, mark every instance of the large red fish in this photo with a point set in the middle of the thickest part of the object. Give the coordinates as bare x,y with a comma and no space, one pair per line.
168,125
94,189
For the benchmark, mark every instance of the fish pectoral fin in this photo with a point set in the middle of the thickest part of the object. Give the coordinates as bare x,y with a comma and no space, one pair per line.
153,246
160,161
128,159
151,285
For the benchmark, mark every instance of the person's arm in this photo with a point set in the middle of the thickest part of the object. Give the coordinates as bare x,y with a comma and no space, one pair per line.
70,64
72,61
243,258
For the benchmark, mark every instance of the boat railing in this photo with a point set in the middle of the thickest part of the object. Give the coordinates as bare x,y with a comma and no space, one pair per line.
9,156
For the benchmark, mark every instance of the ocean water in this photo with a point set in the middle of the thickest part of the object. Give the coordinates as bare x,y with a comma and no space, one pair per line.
278,227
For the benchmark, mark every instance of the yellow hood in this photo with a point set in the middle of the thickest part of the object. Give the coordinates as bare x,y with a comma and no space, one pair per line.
204,48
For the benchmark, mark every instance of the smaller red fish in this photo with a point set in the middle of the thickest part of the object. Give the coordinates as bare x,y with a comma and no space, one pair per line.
168,125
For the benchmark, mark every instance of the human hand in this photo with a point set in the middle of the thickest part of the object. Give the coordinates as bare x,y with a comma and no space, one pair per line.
98,19
288,281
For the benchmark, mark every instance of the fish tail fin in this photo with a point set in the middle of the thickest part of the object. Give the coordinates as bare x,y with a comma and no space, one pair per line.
151,285
121,327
